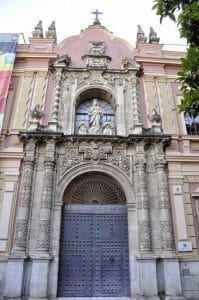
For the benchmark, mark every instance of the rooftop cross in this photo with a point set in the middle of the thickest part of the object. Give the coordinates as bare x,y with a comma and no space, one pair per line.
96,13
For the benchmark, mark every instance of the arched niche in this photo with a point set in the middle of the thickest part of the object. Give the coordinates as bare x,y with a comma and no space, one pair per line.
95,112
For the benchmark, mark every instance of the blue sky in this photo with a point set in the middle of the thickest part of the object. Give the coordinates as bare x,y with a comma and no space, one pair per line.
71,16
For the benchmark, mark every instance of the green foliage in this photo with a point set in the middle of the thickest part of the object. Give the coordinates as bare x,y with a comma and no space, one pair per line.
188,22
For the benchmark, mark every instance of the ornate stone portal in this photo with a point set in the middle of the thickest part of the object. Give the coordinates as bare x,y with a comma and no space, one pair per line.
96,153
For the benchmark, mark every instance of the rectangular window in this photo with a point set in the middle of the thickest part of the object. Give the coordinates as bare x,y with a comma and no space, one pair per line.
192,123
195,204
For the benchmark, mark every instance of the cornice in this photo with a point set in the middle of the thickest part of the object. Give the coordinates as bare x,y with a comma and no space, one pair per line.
61,138
158,61
34,55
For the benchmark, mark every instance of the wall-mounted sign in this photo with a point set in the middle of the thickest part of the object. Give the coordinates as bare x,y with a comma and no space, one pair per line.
184,246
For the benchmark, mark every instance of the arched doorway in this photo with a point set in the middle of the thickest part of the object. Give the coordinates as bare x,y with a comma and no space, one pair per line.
94,257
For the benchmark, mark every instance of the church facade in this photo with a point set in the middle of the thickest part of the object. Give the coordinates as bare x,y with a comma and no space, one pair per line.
99,173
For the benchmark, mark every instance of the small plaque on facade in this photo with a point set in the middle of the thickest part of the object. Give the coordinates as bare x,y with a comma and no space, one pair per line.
184,246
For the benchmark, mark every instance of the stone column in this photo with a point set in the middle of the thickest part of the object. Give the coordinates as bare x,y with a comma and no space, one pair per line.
142,201
137,125
40,261
25,194
53,123
43,238
15,267
165,221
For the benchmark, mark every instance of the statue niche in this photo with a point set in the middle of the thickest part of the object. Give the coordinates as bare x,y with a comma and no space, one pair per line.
95,116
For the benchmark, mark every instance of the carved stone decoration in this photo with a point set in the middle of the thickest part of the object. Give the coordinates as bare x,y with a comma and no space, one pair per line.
43,234
140,164
96,57
95,152
37,112
144,235
83,80
154,117
26,184
53,123
98,62
163,202
94,188
137,125
21,231
166,232
25,195
46,200
70,159
142,200
121,161
96,48
43,241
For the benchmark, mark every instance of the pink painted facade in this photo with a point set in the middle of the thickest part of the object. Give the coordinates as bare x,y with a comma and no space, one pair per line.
53,80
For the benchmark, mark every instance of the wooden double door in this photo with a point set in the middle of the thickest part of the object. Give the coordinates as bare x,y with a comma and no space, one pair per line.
94,259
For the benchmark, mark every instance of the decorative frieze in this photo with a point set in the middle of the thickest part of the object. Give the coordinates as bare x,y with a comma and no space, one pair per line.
70,159
121,160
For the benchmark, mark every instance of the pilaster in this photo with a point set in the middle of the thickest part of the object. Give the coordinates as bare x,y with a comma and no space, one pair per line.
53,123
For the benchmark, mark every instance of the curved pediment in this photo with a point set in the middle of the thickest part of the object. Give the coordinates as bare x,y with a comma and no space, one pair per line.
79,46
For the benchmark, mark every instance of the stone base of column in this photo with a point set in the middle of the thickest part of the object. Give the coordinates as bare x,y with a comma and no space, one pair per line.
148,278
14,278
137,129
173,298
39,278
156,129
169,268
52,126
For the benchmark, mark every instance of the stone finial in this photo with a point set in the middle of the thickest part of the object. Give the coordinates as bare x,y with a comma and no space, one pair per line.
153,39
51,33
141,38
38,32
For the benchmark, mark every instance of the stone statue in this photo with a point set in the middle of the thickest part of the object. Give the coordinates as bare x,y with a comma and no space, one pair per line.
82,129
37,112
38,32
153,39
141,38
154,117
108,129
51,33
95,115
